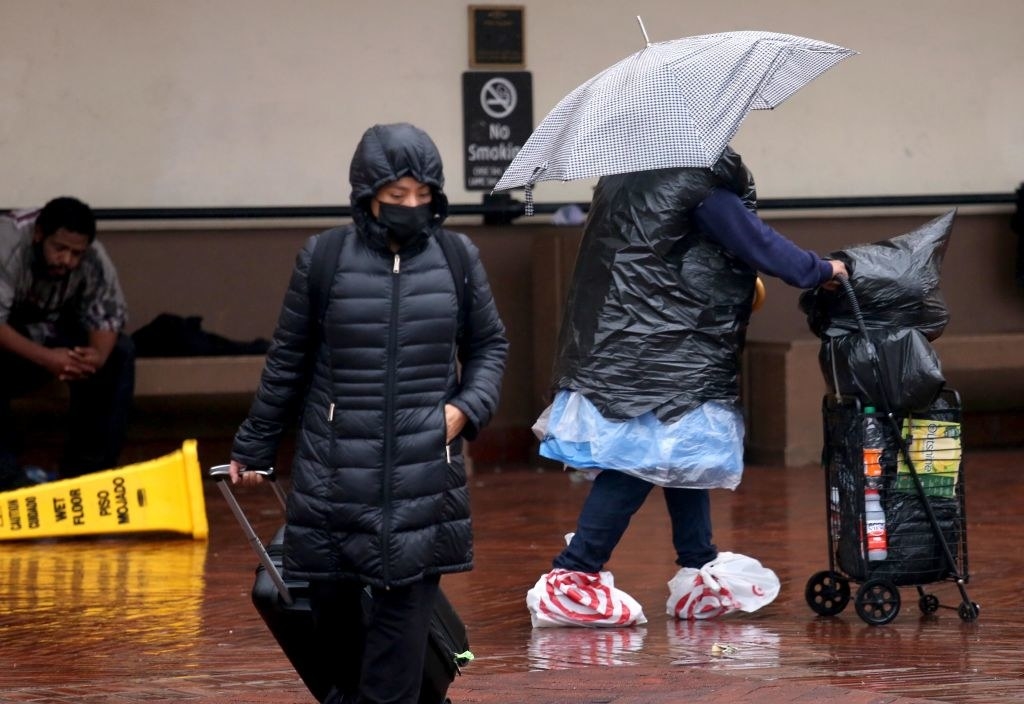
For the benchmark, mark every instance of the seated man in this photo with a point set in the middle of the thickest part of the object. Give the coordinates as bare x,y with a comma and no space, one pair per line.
61,316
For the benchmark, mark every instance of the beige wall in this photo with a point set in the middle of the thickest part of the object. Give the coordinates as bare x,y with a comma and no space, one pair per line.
133,103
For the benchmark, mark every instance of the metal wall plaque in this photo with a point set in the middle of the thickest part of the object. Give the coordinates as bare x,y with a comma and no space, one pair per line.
496,36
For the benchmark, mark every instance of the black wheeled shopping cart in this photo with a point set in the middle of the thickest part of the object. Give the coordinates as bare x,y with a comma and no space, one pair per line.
896,515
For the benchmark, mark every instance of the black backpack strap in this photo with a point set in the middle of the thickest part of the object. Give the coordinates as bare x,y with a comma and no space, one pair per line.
459,265
322,266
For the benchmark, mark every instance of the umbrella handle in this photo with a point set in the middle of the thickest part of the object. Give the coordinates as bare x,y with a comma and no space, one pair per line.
528,207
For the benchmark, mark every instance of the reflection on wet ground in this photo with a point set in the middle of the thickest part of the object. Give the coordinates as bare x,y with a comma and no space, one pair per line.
162,618
98,598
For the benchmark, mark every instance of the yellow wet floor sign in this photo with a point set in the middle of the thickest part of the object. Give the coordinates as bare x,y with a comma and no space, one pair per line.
163,494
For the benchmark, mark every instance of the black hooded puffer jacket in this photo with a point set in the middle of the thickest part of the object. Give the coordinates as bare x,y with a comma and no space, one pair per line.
374,496
657,312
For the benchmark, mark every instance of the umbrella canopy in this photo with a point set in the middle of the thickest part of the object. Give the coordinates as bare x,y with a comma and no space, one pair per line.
673,104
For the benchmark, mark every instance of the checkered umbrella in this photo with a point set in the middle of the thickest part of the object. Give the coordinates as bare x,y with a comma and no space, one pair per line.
672,104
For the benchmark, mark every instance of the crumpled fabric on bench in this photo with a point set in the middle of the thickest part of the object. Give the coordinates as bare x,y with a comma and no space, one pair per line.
170,335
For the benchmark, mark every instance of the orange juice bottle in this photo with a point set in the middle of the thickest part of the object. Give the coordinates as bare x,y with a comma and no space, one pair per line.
874,443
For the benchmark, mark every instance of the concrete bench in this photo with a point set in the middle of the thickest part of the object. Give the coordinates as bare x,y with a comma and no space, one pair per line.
987,370
186,396
783,388
175,397
186,376
182,376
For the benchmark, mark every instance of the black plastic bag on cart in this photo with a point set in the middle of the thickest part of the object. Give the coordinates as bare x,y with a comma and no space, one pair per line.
916,554
896,285
896,282
172,335
908,371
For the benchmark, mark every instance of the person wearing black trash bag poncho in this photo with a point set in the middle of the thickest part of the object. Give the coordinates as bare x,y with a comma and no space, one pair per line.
653,331
378,492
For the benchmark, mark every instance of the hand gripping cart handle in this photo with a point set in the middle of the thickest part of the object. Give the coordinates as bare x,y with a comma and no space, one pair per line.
222,476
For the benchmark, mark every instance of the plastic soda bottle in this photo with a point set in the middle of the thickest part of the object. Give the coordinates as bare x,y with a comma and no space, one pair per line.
874,518
874,443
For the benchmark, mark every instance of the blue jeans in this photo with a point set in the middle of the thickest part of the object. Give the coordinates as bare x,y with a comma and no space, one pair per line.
613,499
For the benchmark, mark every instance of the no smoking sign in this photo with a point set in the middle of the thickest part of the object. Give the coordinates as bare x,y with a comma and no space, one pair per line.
498,119
498,98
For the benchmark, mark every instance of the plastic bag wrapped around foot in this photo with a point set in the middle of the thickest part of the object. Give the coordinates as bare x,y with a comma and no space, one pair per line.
731,582
584,599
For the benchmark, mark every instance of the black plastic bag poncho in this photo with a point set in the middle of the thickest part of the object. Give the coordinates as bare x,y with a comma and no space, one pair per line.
657,312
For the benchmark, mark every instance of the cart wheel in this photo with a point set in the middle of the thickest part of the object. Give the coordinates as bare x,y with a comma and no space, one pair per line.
827,593
878,601
968,612
929,603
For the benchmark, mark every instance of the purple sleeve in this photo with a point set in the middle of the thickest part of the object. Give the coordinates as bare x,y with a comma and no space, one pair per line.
724,218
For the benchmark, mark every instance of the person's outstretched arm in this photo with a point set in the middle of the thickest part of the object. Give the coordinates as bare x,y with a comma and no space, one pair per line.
724,218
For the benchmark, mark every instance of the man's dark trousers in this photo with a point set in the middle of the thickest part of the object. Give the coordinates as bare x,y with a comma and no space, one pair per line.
97,417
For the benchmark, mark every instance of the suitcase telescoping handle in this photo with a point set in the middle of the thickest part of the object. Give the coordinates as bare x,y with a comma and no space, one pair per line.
222,476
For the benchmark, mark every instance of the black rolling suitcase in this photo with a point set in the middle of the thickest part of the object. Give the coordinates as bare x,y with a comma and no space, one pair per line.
284,606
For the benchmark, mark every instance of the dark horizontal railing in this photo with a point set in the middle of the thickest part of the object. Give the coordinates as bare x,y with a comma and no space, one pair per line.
506,209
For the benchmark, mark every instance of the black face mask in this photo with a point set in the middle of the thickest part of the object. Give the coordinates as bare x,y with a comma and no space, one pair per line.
404,222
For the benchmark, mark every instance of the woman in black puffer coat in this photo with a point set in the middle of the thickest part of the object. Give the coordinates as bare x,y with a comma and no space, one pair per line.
379,492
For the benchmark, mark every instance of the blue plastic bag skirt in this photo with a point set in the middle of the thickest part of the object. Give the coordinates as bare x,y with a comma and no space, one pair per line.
701,450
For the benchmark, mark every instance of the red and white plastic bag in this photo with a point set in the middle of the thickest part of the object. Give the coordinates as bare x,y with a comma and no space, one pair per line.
585,599
731,582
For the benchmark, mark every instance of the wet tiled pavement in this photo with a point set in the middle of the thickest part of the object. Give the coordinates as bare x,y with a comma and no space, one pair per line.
159,619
